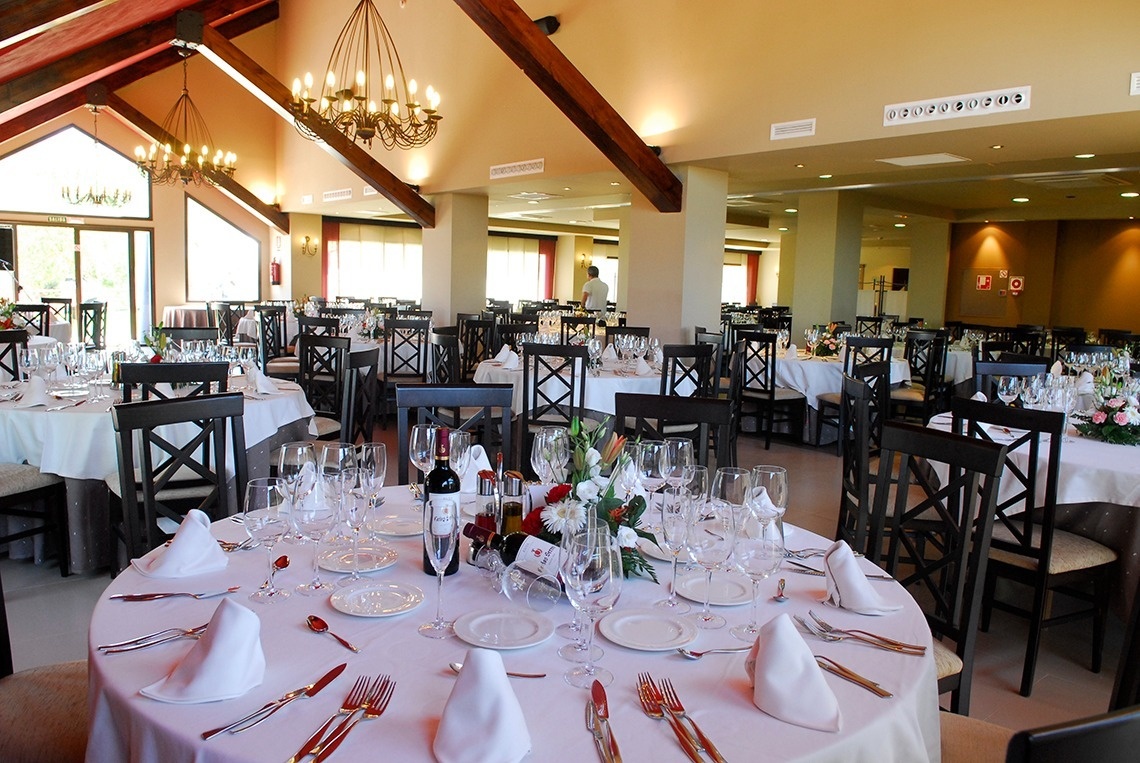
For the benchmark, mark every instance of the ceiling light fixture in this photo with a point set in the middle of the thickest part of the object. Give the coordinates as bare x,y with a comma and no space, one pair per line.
1084,156
799,166
1130,194
615,183
900,225
791,210
997,146
783,229
1020,199
195,165
96,192
825,177
366,94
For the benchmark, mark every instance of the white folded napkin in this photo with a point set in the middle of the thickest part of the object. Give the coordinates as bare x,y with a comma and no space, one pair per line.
847,584
260,382
503,352
1056,369
482,720
1085,383
980,397
763,503
225,663
35,393
609,353
791,352
192,551
511,362
469,480
643,368
786,681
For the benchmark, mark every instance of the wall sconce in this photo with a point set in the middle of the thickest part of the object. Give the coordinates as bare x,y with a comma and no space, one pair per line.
309,246
584,261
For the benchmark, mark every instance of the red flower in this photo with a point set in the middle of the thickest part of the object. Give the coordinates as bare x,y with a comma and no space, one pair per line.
617,514
156,358
532,523
557,493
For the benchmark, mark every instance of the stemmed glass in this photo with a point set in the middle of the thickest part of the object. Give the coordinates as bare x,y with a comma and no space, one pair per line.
757,552
373,458
355,501
297,467
676,510
49,361
266,522
594,350
314,516
628,477
649,465
774,481
675,461
731,484
337,456
709,539
1008,388
576,651
441,533
29,362
1033,390
459,444
698,484
421,448
592,572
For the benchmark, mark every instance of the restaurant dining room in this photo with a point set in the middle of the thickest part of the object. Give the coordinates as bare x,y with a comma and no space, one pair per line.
756,382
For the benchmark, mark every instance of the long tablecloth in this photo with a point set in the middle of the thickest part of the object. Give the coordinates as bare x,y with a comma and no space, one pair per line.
815,376
125,726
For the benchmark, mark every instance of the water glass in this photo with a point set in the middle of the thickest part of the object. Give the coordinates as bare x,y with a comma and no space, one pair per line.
266,520
709,539
592,573
676,513
757,552
441,534
314,516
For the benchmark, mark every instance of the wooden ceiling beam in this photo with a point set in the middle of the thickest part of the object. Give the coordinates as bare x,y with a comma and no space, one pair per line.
34,16
512,30
41,114
77,71
270,214
260,83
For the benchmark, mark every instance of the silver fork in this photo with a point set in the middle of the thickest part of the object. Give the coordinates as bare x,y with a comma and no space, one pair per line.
373,707
182,633
356,696
865,635
820,633
155,635
673,703
648,695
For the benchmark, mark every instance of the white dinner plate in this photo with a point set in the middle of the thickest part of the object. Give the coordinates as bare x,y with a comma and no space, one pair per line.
503,629
653,551
373,556
729,589
370,598
649,630
399,525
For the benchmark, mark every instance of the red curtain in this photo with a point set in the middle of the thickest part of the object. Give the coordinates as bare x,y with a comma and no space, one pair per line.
751,275
546,251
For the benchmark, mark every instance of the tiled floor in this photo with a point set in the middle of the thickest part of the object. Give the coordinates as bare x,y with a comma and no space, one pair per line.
49,614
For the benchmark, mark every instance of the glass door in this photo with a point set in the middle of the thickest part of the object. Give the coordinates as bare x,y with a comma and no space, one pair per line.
105,264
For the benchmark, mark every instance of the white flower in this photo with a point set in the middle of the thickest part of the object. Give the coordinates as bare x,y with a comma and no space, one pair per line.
586,491
626,537
563,516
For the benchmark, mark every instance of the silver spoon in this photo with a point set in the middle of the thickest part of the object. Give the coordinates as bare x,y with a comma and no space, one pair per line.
780,598
691,655
317,625
457,666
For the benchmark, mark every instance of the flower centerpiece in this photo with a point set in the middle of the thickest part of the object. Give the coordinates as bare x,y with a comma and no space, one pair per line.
155,339
827,342
6,310
1116,420
588,491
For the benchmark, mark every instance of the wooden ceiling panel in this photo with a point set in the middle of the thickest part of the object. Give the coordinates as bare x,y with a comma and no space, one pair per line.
31,17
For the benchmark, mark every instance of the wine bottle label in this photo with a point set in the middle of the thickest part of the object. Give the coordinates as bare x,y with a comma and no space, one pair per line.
444,512
539,557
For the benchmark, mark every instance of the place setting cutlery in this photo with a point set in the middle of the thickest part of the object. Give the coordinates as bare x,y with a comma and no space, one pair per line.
601,717
171,594
865,635
458,666
265,711
833,667
152,639
318,625
659,700
837,636
370,704
690,654
804,569
361,690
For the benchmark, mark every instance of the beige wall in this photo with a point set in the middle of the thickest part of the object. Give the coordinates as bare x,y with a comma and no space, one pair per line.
1097,281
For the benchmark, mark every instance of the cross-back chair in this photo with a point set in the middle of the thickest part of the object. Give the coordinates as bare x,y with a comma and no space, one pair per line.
405,358
443,365
926,353
11,342
148,381
33,318
986,374
858,351
324,370
485,410
755,388
93,324
655,417
578,325
271,343
476,337
60,308
554,388
689,370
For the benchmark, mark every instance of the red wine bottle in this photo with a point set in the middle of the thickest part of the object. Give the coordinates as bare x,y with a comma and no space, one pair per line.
530,552
442,485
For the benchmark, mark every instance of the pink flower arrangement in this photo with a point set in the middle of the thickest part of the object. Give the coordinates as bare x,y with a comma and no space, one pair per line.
1116,420
1099,417
1120,418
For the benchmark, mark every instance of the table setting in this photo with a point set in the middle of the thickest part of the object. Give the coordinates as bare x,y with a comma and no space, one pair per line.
458,698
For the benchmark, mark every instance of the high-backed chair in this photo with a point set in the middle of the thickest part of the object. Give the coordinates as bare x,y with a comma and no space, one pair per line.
756,388
926,353
578,325
1026,546
1112,736
510,333
11,342
443,363
180,334
1062,337
60,308
33,318
405,358
689,370
324,369
318,325
224,316
486,410
986,374
854,523
362,389
93,324
271,344
654,417
939,536
858,350
476,338
868,325
165,470
612,332
43,710
554,388
148,381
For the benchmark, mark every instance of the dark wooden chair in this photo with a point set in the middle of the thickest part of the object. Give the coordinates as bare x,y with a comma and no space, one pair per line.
986,374
867,325
939,536
1026,546
443,365
554,388
690,370
1112,736
854,523
143,380
324,371
858,351
318,325
161,476
275,357
177,335
363,389
224,316
578,325
1063,336
755,388
486,409
509,333
33,318
93,324
612,332
338,312
655,417
405,358
60,308
11,342
921,398
476,337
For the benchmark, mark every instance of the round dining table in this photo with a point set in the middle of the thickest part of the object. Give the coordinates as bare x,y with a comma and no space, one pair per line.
127,726
813,376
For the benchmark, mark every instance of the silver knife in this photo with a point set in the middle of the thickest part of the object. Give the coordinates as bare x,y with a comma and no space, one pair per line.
602,708
272,707
594,724
846,673
806,570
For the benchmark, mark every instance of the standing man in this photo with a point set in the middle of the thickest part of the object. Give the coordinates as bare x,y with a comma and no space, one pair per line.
595,292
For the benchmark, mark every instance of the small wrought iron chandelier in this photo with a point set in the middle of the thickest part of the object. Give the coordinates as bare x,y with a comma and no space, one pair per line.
365,94
194,164
95,191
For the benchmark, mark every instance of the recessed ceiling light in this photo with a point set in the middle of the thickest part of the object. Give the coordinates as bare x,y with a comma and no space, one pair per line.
825,177
565,188
900,225
1020,199
791,210
615,183
799,166
783,229
996,146
532,202
1130,194
1084,156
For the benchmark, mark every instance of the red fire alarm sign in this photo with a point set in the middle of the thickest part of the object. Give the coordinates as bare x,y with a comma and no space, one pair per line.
985,283
1016,284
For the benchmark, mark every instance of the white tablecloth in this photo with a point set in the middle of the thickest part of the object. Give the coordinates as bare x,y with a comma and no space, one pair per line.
186,316
600,389
959,366
815,376
125,726
247,326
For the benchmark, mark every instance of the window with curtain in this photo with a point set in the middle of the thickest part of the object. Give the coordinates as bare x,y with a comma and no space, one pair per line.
223,262
371,261
515,269
734,284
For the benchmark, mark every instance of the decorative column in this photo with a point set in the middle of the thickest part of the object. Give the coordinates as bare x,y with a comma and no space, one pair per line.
455,257
827,246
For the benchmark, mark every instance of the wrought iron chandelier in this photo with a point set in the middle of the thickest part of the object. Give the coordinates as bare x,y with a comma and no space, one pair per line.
194,164
96,191
365,94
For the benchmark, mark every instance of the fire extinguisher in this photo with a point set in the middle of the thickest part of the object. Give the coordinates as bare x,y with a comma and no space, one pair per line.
275,273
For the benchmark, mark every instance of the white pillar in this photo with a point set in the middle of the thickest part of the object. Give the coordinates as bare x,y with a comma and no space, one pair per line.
828,242
455,257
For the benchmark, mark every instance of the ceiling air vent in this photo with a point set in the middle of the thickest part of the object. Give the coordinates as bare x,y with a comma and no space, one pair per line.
338,195
1135,88
534,196
1071,181
954,106
528,167
803,128
369,191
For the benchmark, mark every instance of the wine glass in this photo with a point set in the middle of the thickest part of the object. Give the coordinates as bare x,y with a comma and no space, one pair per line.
576,651
557,453
538,460
49,362
592,572
649,465
757,552
676,509
266,522
314,516
675,461
297,466
337,456
1008,388
373,458
421,447
698,484
773,480
709,539
731,484
29,362
1033,390
355,501
459,444
594,350
441,534
627,477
